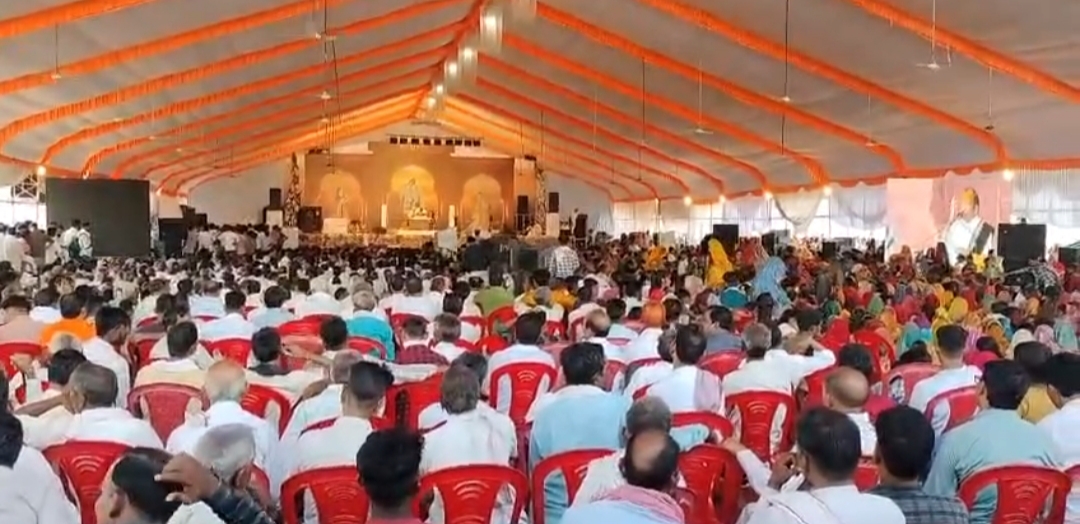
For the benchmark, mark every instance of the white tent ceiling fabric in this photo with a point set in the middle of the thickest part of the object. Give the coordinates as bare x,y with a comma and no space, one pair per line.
628,81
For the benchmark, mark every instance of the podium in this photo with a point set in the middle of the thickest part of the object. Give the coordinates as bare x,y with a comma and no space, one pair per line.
335,226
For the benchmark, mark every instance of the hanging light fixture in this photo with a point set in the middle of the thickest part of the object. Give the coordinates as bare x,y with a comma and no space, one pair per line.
687,201
491,28
827,190
1008,174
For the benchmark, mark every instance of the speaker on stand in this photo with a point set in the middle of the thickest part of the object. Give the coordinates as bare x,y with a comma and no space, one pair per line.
309,219
523,215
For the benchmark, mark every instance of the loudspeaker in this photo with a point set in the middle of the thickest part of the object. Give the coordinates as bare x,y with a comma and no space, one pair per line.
309,220
553,202
768,241
523,216
1017,244
829,250
201,220
173,233
581,226
275,198
1070,256
526,259
728,235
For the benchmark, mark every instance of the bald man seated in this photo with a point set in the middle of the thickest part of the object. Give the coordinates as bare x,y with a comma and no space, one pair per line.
597,330
650,466
846,391
226,383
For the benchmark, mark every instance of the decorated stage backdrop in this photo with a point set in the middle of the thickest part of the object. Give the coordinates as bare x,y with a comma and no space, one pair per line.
420,186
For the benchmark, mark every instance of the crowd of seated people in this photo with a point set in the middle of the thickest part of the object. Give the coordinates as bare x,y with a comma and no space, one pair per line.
377,384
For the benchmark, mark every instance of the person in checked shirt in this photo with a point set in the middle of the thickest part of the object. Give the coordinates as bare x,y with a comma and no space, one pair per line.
563,261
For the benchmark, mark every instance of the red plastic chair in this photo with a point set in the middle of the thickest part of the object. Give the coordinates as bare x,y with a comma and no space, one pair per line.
619,342
301,327
722,363
554,330
572,465
866,475
81,467
367,345
711,472
526,379
836,334
206,318
493,344
397,320
963,404
1025,494
148,321
753,413
467,346
337,493
504,315
716,423
260,482
257,400
883,352
475,320
614,374
405,402
815,388
470,493
143,347
9,350
235,349
378,423
317,318
908,376
576,327
167,405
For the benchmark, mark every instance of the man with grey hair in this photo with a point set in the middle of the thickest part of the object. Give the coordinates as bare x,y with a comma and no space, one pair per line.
228,451
370,322
491,435
447,331
768,369
646,414
322,399
226,383
91,399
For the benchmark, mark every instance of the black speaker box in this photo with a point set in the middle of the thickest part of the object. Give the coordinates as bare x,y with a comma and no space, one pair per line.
309,220
829,250
523,214
275,198
1017,244
553,202
728,235
1070,256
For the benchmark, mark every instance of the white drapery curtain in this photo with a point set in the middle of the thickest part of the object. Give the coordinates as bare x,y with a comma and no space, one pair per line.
1051,198
799,208
860,207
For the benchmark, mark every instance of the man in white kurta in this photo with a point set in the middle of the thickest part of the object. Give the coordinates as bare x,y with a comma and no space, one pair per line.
967,233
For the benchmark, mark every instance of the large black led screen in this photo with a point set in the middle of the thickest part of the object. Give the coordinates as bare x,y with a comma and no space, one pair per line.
118,212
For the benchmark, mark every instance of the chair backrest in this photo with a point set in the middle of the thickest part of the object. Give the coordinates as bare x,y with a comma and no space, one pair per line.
1025,494
367,346
397,320
714,422
963,404
143,348
815,388
235,349
526,379
866,475
614,374
492,344
619,342
572,465
721,363
10,349
206,318
405,402
907,376
469,493
337,493
753,414
148,321
257,400
505,315
709,470
303,326
166,405
81,467
882,352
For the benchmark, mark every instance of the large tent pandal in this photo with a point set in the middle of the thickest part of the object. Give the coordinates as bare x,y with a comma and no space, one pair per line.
649,99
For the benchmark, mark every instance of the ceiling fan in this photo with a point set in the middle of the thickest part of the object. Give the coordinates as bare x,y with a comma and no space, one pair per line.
933,64
699,129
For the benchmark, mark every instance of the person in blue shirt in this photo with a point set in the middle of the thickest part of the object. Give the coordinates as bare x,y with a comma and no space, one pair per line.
996,436
367,323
